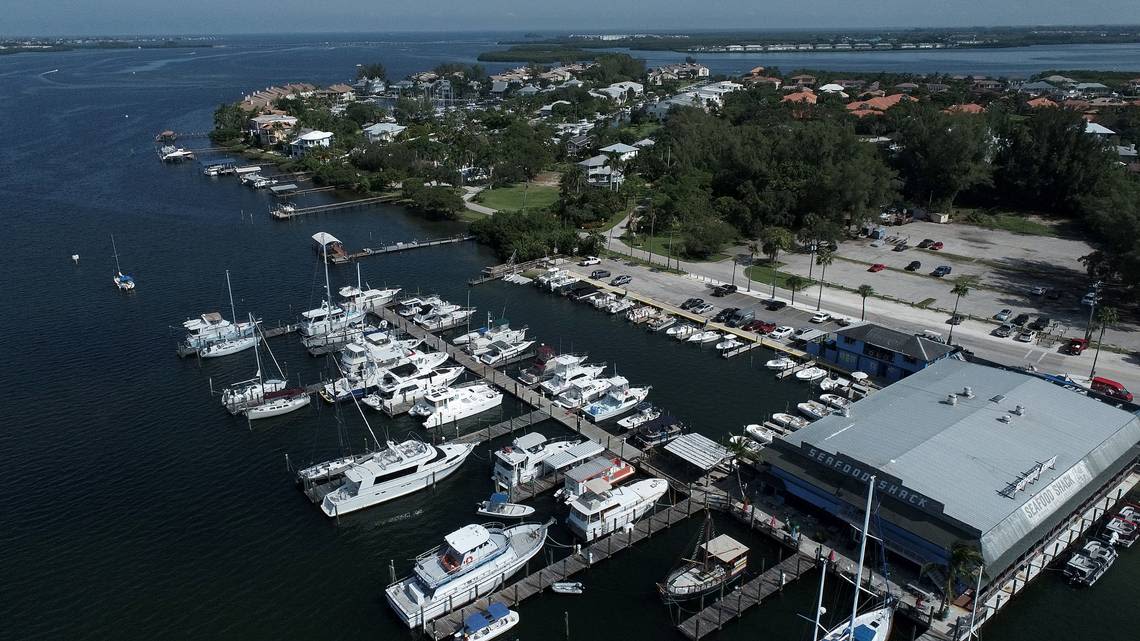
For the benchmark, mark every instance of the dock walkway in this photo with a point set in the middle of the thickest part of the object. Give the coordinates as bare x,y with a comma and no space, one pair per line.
734,604
280,214
399,247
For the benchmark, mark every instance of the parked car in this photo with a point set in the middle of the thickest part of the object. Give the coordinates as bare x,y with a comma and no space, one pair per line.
941,270
723,314
753,325
621,280
1005,330
781,332
1021,319
956,319
599,274
691,303
913,266
1027,336
1076,346
1041,323
844,321
590,260
926,242
740,317
877,267
804,331
821,317
1038,291
774,305
724,290
703,308
1003,315
936,245
766,328
900,247
1111,388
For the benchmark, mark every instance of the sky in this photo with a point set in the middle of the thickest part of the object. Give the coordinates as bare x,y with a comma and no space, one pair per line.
128,17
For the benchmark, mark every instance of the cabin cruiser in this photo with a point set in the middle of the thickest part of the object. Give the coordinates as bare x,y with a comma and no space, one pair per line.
546,365
682,332
584,392
521,461
328,319
435,321
618,400
408,384
368,300
814,410
444,405
790,421
397,470
237,397
811,374
367,381
502,352
473,560
1089,563
413,305
480,340
612,470
644,412
564,379
211,328
603,509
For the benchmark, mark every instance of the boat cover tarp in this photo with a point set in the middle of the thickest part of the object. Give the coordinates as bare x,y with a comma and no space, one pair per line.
482,619
499,497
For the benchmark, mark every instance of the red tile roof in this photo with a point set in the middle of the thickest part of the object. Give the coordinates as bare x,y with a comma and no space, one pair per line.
968,108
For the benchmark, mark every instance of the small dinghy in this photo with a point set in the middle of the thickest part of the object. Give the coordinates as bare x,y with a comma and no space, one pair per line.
568,587
498,506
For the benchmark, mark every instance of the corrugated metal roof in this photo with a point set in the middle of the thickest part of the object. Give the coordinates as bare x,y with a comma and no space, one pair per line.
965,454
698,450
910,345
590,468
570,456
527,441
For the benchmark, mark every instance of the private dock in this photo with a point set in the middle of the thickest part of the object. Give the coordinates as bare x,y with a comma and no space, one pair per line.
286,193
791,371
280,214
734,604
496,272
399,247
736,351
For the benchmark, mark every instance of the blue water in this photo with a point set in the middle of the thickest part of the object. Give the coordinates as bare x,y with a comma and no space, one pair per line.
135,507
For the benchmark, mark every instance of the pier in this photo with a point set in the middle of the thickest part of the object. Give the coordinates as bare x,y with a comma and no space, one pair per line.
399,247
734,604
279,214
496,272
791,371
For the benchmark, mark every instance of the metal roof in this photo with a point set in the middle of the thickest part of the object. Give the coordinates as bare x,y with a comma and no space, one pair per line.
589,469
698,450
467,538
910,345
993,470
570,456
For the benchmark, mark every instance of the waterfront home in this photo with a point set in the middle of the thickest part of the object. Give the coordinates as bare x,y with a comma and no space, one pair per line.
677,71
309,139
369,87
714,93
644,142
270,129
880,351
266,98
528,90
548,110
599,173
623,151
622,90
806,96
771,81
383,132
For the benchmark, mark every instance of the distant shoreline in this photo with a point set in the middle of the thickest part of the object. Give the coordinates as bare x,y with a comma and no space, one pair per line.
15,47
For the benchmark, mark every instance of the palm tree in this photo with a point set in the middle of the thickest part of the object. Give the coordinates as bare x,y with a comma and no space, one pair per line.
865,291
1105,317
824,258
965,560
793,284
961,288
776,239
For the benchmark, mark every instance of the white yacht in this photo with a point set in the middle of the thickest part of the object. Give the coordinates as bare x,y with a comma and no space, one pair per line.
478,341
1089,563
811,374
401,386
367,381
521,461
873,625
618,400
644,413
488,624
327,319
730,342
546,365
412,305
211,328
472,561
564,379
502,352
790,421
814,410
603,509
397,470
444,319
584,392
366,298
228,346
444,405
706,336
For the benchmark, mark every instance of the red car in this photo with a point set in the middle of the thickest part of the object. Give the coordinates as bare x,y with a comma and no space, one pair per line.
763,328
877,267
936,245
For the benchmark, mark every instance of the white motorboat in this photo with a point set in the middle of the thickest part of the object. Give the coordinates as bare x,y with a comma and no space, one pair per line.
836,401
567,587
125,282
445,320
472,561
547,364
365,298
814,410
706,336
562,381
715,562
241,395
618,400
227,347
644,412
327,319
499,505
640,314
558,282
211,327
832,384
661,323
603,509
480,340
522,460
620,305
1124,527
811,374
396,470
436,307
751,447
543,279
412,305
585,391
760,434
401,386
487,624
681,331
370,379
1089,563
780,364
790,421
731,342
501,352
444,405
612,470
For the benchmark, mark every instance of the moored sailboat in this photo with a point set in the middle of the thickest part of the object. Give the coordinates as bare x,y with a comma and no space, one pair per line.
716,561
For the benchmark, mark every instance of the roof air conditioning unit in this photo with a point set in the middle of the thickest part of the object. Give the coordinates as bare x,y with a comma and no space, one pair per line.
968,392
1005,418
951,399
1019,410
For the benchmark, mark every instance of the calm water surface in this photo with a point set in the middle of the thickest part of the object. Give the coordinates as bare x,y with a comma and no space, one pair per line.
137,508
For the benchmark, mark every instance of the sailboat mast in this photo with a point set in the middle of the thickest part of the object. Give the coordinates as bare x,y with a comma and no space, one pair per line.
233,310
116,252
862,556
358,286
328,290
256,353
819,601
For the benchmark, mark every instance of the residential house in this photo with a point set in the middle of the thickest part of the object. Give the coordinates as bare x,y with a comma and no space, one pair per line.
265,99
937,87
988,85
1039,102
599,173
906,87
1098,130
763,80
715,92
967,108
644,142
803,80
369,87
270,129
623,151
876,106
806,96
308,140
1091,89
499,87
684,70
383,132
548,110
622,90
340,93
884,353
575,145
401,86
527,90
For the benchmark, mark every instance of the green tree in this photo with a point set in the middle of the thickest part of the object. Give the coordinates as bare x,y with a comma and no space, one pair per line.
1105,317
229,124
773,241
942,155
374,70
795,283
960,290
865,291
824,258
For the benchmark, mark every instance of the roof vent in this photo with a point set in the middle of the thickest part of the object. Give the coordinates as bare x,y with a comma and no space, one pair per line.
968,392
998,398
1019,410
1005,418
951,399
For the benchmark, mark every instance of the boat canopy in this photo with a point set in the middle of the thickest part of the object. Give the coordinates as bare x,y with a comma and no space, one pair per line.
467,538
218,162
482,619
725,548
499,497
324,238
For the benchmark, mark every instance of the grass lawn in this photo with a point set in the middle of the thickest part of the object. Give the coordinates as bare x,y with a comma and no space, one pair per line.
1005,222
644,129
660,245
762,275
538,197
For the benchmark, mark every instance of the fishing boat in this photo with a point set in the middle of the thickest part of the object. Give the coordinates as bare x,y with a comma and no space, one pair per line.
659,431
661,323
1089,563
1124,527
811,374
814,410
619,399
488,624
480,340
728,343
790,421
394,471
716,562
836,401
620,305
612,470
640,314
603,509
502,352
568,587
830,384
473,560
499,505
760,434
283,211
582,392
444,405
399,386
682,331
643,413
125,282
522,461
780,364
228,347
706,336
562,381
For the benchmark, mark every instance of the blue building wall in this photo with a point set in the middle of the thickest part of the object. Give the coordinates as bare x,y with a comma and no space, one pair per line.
858,356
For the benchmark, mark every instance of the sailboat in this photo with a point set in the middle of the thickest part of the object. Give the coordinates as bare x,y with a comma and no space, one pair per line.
715,562
368,300
329,317
237,341
872,625
260,398
124,282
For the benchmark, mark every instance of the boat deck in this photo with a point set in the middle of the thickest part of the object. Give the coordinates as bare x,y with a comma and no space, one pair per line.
735,603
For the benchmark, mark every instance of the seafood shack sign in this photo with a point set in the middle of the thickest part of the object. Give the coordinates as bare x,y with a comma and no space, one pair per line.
885,484
1057,493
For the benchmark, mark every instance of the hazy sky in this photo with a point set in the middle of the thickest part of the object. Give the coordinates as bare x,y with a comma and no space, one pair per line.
82,17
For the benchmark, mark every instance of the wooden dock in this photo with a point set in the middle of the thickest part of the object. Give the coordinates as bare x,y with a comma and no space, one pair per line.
736,351
592,554
399,247
498,271
279,214
302,192
791,371
734,604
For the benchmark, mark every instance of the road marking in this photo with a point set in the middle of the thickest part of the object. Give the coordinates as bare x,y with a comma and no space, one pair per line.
1042,356
1026,357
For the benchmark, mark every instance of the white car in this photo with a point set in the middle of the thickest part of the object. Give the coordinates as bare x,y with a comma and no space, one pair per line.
1038,291
703,308
590,260
821,317
1028,336
1004,315
782,332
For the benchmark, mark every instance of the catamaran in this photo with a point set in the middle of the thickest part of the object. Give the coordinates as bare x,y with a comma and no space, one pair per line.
603,509
444,405
715,562
124,282
472,561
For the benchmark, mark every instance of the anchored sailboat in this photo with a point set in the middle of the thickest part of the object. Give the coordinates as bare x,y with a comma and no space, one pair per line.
125,282
259,398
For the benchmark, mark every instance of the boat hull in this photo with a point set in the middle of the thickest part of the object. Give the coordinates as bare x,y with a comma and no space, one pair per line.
278,408
423,478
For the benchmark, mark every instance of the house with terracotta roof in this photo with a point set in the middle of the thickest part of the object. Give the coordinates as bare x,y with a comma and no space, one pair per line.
881,104
1038,103
806,96
270,129
967,108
